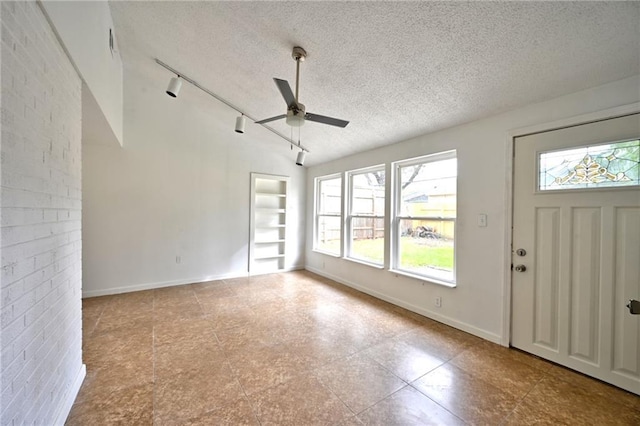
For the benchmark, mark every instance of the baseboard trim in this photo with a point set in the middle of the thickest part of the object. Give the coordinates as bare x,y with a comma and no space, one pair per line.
184,281
492,337
67,404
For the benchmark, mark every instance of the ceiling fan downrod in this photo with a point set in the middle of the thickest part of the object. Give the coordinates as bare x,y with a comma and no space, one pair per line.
299,55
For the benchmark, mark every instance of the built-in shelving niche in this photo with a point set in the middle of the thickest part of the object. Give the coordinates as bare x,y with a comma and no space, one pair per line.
267,245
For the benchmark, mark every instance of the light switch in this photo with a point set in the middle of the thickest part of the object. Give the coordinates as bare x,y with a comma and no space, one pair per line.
482,220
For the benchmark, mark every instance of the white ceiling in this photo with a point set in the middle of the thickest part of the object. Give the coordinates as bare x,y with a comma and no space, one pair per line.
394,69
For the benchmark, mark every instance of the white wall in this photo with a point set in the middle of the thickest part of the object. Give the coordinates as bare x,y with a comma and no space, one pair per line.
40,199
179,187
83,27
476,304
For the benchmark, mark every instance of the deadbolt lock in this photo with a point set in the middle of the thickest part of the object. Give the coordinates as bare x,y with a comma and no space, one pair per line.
521,252
634,307
520,268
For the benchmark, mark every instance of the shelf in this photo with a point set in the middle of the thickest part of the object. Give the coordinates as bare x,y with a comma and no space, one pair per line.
270,210
275,256
268,227
271,194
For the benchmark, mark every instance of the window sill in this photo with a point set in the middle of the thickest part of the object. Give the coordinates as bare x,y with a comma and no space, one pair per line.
364,262
326,253
423,278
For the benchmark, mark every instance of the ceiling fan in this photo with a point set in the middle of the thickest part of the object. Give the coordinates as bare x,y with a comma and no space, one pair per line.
296,114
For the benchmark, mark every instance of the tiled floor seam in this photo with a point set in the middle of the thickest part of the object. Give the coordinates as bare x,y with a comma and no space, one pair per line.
244,392
435,402
472,373
95,326
387,370
336,395
506,418
413,387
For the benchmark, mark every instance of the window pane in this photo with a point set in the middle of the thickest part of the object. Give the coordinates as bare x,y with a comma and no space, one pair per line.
329,199
367,239
367,193
429,189
596,166
328,234
424,238
426,247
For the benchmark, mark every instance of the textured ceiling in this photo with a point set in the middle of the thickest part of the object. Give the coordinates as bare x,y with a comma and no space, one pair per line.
394,69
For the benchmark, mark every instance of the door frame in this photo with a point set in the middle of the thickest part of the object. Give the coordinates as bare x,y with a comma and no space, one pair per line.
509,196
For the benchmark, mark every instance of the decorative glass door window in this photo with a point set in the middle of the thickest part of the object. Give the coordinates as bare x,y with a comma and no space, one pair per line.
596,166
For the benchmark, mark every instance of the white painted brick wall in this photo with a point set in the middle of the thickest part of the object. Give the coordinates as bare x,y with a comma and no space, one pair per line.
40,220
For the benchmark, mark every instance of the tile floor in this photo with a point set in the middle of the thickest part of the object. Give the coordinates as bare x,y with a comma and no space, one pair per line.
298,349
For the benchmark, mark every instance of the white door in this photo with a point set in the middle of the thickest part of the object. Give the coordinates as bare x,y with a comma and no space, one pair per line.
577,217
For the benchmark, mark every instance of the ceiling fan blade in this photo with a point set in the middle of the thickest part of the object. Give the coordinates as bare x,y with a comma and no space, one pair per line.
326,120
266,120
287,94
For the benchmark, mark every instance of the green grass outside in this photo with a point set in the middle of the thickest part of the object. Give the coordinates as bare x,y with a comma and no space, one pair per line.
414,252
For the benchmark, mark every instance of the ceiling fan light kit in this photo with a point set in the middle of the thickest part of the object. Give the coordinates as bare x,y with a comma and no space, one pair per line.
296,112
295,117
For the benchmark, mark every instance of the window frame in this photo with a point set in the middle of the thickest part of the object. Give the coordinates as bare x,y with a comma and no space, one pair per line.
397,218
350,216
318,215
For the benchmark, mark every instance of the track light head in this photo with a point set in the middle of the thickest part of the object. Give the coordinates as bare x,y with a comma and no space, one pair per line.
301,157
240,121
174,87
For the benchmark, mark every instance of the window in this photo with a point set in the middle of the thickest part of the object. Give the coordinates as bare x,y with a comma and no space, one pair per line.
365,219
425,217
328,233
595,166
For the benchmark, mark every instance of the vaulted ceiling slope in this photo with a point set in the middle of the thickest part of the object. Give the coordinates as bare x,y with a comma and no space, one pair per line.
394,69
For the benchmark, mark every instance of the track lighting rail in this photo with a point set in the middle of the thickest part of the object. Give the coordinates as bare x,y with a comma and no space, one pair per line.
227,103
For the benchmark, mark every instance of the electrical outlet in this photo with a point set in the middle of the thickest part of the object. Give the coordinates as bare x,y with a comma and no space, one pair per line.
438,301
178,259
482,220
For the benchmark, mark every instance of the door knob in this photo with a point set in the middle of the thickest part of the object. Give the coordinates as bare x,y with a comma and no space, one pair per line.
520,268
521,252
634,307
